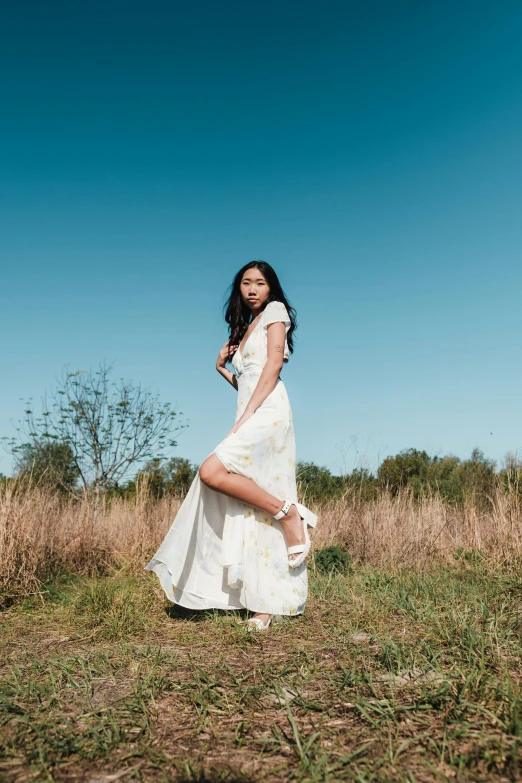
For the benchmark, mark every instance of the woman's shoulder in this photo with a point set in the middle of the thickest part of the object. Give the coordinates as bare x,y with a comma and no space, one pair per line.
274,308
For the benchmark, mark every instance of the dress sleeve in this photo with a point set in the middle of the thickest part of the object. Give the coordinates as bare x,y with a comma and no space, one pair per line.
276,311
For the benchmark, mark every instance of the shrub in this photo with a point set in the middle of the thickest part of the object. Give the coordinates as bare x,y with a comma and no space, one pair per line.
333,559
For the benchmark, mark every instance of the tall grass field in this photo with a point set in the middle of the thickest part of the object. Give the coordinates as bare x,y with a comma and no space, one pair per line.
404,667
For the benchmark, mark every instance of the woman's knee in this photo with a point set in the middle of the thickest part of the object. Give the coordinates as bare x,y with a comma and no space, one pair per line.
205,472
209,472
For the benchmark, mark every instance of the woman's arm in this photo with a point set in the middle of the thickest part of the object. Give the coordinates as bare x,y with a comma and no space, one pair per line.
266,384
223,357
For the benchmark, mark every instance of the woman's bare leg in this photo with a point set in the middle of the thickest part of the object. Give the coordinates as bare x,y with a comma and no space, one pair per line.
214,474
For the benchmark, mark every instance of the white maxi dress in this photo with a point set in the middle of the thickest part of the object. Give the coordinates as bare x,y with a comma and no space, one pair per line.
219,552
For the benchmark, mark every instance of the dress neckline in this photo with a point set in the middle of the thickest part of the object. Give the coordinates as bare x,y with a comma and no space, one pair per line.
241,352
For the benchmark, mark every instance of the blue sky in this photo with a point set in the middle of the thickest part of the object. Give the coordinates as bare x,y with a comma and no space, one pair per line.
372,153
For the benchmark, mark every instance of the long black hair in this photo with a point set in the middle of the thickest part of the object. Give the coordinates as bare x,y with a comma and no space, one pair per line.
238,314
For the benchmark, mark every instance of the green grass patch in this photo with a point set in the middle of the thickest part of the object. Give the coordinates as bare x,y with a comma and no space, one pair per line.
402,676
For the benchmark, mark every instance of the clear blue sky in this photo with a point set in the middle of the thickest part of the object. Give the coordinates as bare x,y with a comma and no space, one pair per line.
371,152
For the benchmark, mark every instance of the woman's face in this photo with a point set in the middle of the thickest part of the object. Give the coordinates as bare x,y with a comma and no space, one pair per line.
254,289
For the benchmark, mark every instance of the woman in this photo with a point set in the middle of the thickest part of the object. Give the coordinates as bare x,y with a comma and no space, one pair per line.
240,538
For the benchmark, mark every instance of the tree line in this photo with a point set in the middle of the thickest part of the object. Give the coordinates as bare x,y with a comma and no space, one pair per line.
414,470
92,434
52,464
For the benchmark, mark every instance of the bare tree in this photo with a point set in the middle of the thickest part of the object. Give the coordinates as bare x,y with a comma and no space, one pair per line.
109,426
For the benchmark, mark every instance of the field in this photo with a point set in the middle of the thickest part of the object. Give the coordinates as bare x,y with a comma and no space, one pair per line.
407,668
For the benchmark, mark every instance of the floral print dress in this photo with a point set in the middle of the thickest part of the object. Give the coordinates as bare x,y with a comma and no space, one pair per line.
219,552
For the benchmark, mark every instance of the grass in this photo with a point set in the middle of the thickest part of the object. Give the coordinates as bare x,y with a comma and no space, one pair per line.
42,534
390,675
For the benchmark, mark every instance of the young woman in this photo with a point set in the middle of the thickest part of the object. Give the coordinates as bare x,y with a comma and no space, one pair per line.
240,538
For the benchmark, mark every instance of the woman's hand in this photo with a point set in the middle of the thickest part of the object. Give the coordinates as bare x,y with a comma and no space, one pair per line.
244,417
225,354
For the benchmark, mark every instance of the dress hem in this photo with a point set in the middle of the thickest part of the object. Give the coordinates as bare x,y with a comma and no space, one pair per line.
155,562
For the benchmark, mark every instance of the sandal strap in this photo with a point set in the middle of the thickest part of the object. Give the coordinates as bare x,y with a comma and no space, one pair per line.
259,624
292,550
284,510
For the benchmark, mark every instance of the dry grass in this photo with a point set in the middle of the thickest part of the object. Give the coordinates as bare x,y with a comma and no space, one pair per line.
401,531
42,534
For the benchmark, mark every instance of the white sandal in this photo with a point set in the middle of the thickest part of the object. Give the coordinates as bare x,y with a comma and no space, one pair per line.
309,519
255,624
